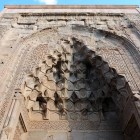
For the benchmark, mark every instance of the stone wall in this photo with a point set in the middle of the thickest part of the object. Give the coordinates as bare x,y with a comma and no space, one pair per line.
27,33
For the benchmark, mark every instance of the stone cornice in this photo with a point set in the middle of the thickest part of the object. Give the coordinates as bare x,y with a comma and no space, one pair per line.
71,6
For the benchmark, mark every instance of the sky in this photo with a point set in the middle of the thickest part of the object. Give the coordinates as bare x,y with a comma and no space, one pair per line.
59,2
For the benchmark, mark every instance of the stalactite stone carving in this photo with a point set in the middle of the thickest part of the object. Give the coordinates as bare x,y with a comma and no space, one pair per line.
72,81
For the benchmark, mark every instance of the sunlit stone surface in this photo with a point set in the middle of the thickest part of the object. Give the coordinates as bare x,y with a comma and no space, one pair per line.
70,72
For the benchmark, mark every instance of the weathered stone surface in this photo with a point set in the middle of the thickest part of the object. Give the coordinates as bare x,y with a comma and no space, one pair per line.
72,75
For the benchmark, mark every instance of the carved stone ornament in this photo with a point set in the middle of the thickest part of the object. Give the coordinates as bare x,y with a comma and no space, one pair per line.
69,72
73,81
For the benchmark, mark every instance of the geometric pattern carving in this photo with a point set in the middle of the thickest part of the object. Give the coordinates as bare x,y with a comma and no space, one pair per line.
61,85
72,83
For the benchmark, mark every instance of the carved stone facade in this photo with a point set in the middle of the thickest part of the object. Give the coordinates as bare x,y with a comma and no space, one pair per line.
70,73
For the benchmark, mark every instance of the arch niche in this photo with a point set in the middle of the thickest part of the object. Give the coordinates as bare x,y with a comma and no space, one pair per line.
74,84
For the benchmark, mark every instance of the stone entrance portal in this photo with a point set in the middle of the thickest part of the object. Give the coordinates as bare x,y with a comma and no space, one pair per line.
74,85
70,74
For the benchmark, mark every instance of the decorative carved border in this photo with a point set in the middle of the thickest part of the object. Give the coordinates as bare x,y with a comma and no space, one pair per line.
23,63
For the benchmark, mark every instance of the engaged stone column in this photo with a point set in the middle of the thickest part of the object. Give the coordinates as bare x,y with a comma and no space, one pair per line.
12,118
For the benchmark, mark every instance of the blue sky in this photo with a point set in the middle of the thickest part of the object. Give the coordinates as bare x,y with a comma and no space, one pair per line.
119,2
